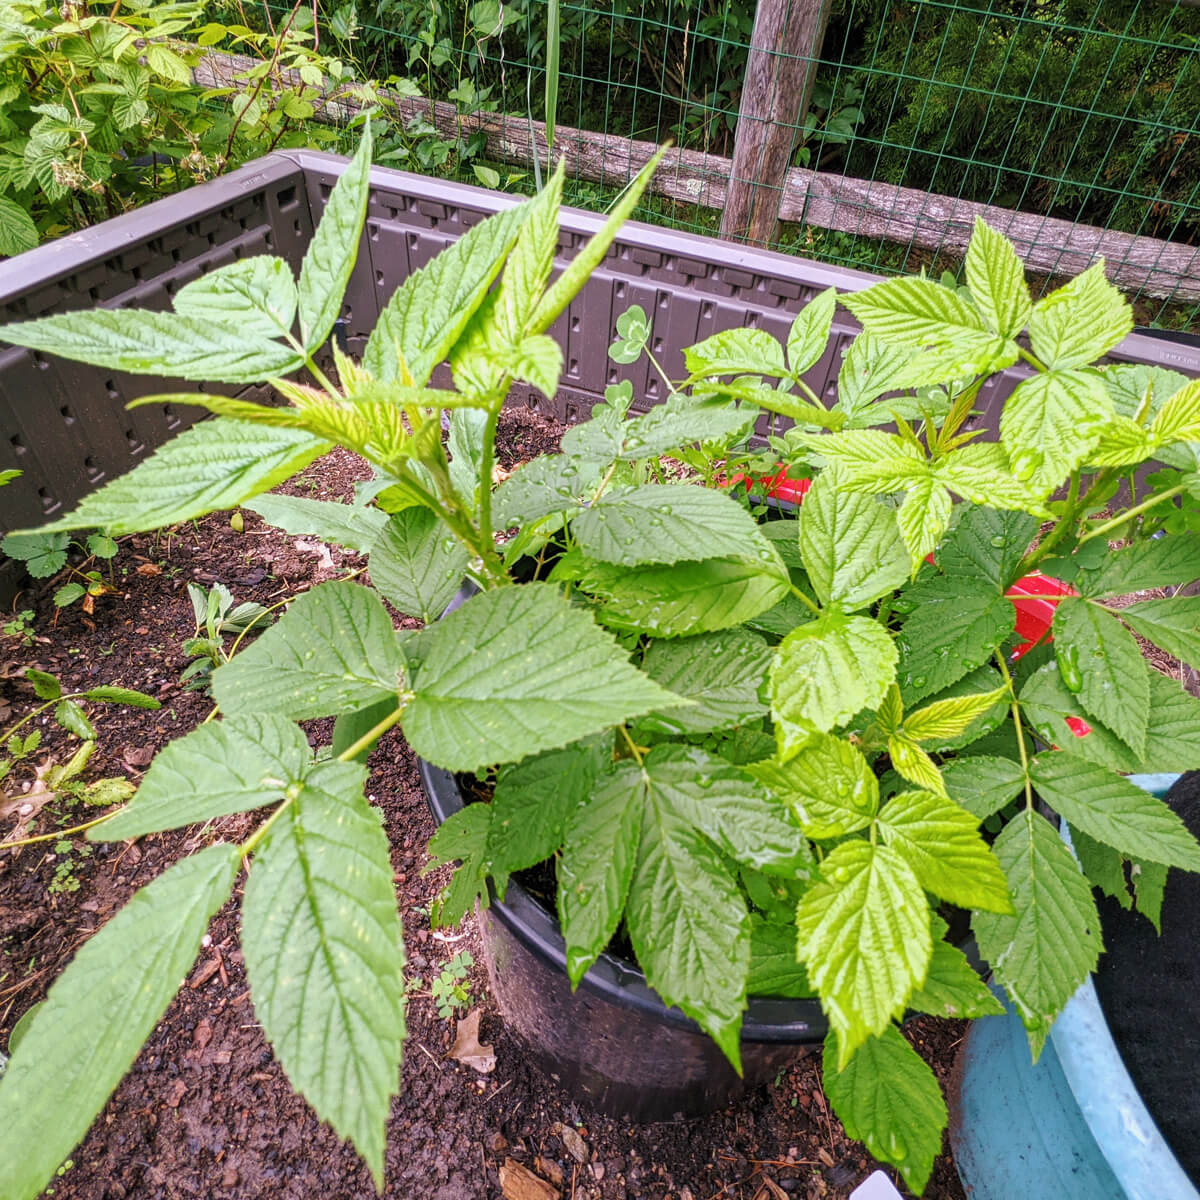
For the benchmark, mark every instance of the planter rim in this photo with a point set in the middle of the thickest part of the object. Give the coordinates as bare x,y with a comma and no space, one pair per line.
1135,1150
767,1019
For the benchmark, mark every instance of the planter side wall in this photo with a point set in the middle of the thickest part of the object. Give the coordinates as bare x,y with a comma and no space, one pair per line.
63,424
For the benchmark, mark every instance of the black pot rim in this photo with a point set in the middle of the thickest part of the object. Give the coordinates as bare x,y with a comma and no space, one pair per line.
767,1019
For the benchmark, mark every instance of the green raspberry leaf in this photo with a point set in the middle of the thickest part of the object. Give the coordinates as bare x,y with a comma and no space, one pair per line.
325,955
1080,322
996,278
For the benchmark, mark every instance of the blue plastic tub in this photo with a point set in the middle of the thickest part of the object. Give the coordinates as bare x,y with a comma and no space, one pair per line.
1071,1127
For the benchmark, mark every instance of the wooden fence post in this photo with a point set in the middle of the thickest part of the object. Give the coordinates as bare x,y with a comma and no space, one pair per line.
780,73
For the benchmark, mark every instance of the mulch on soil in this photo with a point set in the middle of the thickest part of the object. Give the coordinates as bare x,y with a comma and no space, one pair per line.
206,1111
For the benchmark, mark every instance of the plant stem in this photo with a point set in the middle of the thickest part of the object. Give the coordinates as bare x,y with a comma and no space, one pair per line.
634,748
61,833
1016,716
1133,512
1032,359
376,731
41,708
801,596
261,832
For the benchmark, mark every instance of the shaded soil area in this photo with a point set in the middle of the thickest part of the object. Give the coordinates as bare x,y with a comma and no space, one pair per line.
206,1111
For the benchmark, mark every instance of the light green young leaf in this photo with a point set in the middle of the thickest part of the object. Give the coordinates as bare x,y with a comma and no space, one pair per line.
1101,663
723,673
923,517
942,844
945,719
534,800
983,784
667,523
1050,943
351,526
120,695
683,599
486,694
335,648
870,368
229,766
429,311
1081,321
863,932
568,284
1050,423
687,919
330,257
417,564
954,625
981,473
919,311
830,669
809,334
912,763
98,1014
256,294
737,352
850,545
1114,811
828,783
996,277
600,847
325,955
155,343
216,464
1123,443
952,988
887,1098
1173,624
1179,418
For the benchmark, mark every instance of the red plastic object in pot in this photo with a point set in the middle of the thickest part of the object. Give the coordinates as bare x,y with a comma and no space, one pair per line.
1034,597
778,486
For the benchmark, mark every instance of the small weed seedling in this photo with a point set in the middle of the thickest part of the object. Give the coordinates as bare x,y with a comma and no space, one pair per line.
217,616
450,990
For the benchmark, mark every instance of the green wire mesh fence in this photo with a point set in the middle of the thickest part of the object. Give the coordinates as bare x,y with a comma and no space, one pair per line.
1073,124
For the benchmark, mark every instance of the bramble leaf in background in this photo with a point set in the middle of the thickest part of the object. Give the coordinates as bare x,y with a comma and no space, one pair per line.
416,564
43,553
983,784
485,693
234,765
987,543
331,255
98,1014
952,988
1109,808
1100,663
722,672
463,837
667,523
864,935
1050,943
888,1098
347,525
334,648
1173,624
953,626
325,955
737,352
600,845
217,464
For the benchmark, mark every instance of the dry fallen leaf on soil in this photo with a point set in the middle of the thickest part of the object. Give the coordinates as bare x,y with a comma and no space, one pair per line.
520,1183
576,1147
467,1047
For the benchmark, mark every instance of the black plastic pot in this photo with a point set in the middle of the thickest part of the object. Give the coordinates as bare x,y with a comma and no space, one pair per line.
613,1042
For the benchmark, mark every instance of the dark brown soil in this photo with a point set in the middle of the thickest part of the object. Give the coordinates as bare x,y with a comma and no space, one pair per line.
206,1111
